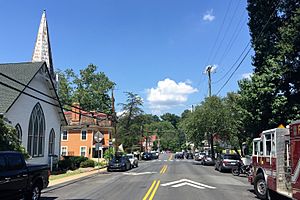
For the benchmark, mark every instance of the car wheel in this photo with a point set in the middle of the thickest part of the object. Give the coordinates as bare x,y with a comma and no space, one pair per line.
35,192
235,171
220,169
260,186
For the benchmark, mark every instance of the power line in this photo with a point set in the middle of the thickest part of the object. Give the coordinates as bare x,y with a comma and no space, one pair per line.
45,101
215,43
260,34
233,64
44,94
226,31
234,71
219,32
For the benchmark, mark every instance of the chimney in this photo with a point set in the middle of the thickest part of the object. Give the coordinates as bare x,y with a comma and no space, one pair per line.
76,112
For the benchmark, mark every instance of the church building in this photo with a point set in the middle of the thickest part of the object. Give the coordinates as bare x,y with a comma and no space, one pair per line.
29,100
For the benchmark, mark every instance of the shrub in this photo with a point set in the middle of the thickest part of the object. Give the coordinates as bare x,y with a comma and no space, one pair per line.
71,162
87,163
65,164
76,160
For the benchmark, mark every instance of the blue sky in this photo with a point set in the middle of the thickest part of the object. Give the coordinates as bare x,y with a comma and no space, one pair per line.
157,49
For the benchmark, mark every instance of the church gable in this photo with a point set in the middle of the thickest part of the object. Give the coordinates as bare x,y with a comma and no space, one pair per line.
11,75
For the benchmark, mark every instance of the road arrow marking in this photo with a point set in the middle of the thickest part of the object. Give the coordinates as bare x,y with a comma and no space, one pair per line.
188,182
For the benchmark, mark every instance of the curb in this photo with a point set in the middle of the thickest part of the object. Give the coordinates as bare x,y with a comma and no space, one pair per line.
59,183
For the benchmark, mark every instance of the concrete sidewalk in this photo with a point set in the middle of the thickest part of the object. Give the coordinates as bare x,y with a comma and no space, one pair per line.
75,177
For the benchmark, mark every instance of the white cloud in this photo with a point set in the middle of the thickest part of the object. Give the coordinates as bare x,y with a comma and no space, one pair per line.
247,75
168,94
208,16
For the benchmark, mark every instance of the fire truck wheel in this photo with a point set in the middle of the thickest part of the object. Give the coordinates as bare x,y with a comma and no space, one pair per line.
260,186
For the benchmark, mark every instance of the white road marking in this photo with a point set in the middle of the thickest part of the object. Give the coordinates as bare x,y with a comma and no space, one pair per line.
136,174
185,183
188,182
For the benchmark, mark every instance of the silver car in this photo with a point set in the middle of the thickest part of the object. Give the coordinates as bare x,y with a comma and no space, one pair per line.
133,160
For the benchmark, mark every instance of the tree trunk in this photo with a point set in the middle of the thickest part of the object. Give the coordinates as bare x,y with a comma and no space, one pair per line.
212,146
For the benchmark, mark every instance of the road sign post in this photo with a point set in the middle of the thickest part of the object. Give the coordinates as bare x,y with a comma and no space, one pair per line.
98,136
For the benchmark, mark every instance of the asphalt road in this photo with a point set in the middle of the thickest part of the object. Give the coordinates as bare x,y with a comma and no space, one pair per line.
162,179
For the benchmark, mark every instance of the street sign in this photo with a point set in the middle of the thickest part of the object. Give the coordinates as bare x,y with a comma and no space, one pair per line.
98,136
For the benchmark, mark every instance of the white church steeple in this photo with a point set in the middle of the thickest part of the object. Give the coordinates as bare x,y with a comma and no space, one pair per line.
42,49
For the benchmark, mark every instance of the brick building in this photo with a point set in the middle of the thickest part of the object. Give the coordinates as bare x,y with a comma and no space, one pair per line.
77,137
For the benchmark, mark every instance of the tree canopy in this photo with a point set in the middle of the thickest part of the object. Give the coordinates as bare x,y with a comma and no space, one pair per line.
90,89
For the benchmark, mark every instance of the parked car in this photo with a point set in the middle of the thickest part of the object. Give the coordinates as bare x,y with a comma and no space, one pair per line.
226,162
119,163
207,160
189,155
155,154
147,156
199,156
19,180
179,155
133,160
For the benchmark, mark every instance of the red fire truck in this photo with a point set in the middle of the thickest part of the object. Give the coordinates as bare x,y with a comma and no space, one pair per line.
276,163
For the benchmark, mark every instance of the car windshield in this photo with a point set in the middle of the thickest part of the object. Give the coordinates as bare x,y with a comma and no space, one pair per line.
231,157
117,159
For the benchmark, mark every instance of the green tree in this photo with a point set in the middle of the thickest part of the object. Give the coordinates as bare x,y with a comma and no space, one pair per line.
9,140
272,94
65,91
172,118
129,125
210,118
90,89
238,120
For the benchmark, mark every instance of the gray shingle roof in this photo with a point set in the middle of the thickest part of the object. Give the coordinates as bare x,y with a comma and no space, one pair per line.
23,72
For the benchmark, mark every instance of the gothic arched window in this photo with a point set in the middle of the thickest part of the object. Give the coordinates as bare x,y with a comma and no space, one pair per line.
36,132
51,150
19,132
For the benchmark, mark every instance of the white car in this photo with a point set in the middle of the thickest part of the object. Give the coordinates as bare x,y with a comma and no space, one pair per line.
133,160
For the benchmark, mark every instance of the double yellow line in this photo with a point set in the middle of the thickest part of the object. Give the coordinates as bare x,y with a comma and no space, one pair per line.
152,191
164,169
153,188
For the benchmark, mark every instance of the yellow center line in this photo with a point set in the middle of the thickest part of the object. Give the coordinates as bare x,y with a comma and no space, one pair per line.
155,189
164,171
149,191
161,171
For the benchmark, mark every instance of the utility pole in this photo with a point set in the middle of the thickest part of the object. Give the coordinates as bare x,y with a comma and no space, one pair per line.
114,119
208,71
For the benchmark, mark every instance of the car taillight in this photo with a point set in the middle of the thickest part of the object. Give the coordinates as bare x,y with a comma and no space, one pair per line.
49,173
225,162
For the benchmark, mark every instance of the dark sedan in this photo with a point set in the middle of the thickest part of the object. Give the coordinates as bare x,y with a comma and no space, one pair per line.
147,156
121,163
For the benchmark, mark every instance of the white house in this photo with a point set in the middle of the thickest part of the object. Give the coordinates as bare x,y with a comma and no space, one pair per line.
29,101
